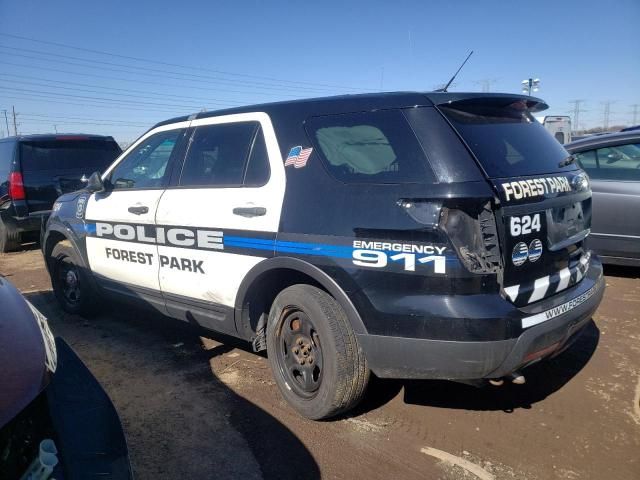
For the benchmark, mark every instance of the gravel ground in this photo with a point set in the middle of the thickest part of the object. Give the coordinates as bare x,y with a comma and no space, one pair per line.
196,407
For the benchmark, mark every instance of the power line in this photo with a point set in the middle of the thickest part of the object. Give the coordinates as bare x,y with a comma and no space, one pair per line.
606,113
43,98
101,99
135,93
635,113
58,117
576,112
130,80
139,59
145,70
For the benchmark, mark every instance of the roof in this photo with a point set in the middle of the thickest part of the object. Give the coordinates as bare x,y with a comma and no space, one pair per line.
368,101
603,140
48,137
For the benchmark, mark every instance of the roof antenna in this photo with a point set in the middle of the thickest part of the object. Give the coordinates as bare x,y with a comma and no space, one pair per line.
455,74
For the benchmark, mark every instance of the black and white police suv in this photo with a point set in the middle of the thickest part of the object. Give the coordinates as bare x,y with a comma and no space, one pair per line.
414,235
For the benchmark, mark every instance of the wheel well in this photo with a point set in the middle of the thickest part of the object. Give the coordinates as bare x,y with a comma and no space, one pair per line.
261,294
53,239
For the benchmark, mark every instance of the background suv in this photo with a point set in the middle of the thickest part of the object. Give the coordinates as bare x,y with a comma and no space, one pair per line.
37,169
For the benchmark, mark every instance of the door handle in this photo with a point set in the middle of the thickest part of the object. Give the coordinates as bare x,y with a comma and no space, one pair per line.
250,211
138,210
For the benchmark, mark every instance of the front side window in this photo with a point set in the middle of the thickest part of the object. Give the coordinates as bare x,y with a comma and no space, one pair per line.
218,155
587,160
146,165
369,147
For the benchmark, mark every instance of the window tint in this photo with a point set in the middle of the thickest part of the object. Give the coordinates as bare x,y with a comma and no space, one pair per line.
369,147
620,162
218,154
587,160
505,138
85,156
146,165
258,170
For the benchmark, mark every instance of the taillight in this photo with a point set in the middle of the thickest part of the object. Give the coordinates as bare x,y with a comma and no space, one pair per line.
16,186
474,236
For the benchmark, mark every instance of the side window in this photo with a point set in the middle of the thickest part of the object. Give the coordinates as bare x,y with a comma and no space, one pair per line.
587,161
619,162
218,154
146,165
369,147
258,169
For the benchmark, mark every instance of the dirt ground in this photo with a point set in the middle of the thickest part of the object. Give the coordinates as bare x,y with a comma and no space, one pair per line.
194,407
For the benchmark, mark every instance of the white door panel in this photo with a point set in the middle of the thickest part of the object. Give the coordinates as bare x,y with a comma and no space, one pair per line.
113,208
210,276
213,208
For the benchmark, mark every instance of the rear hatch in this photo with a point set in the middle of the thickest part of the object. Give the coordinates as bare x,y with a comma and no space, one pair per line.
56,165
544,209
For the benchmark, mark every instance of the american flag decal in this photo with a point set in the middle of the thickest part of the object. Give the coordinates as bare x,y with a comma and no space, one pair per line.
298,157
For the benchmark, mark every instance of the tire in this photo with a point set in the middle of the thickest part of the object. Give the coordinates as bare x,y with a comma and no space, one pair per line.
308,325
9,239
71,283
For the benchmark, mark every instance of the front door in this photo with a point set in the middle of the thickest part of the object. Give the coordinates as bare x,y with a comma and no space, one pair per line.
121,236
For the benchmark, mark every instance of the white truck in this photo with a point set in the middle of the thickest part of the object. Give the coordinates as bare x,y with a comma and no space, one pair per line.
558,125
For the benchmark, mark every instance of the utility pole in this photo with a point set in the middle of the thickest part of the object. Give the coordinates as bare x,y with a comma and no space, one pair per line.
576,112
606,113
15,125
6,121
635,113
486,83
55,127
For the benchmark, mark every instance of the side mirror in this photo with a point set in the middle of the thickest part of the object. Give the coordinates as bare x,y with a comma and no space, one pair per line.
95,184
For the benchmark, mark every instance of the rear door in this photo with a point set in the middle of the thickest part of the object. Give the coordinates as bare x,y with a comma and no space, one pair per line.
544,209
615,180
121,236
53,167
225,210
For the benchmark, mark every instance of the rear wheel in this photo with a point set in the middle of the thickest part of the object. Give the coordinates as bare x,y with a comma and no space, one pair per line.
314,355
9,239
70,281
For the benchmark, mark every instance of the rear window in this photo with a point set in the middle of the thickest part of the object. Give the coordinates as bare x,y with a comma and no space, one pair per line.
85,156
369,147
506,138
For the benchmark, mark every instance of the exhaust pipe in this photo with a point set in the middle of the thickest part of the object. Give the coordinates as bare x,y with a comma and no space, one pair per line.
517,378
514,377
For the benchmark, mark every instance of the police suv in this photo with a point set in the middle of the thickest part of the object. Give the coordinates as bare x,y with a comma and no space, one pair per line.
412,235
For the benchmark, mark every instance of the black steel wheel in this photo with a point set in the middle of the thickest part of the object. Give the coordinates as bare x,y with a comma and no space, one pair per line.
314,355
299,353
71,283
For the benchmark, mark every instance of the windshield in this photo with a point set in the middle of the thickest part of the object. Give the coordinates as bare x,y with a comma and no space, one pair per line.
506,139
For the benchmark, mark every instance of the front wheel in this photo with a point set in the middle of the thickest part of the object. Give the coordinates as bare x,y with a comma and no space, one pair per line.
314,354
71,284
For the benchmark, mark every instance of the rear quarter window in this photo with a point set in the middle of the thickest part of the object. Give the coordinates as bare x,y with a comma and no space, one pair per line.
369,147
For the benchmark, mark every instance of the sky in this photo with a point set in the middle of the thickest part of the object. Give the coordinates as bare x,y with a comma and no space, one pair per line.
118,67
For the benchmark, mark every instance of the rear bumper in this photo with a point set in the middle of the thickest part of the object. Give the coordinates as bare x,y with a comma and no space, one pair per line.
31,223
400,357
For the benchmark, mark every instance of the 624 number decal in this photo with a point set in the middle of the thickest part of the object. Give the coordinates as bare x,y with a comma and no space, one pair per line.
524,225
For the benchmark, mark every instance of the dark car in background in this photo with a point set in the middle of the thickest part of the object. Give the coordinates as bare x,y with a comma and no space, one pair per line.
53,413
37,169
612,162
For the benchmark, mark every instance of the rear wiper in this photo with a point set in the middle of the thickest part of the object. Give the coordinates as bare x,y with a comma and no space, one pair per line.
567,161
